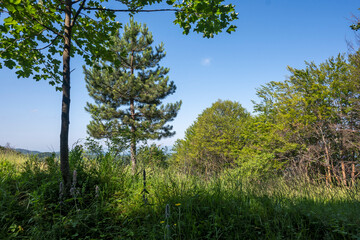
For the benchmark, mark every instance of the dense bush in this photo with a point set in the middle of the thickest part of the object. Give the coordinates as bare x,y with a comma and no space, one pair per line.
226,136
214,140
153,156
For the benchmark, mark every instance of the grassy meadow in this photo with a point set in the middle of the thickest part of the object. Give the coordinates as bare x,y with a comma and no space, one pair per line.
106,201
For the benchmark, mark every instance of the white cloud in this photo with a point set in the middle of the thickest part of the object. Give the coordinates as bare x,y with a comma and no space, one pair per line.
206,61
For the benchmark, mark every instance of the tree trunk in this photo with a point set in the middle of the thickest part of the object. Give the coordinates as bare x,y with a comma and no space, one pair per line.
133,138
353,174
328,167
327,160
133,129
64,135
335,174
133,156
343,171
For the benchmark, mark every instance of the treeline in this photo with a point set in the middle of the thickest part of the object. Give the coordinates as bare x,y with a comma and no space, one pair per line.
306,126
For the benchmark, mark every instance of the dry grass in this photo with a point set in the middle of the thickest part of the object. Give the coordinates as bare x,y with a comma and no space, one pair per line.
13,157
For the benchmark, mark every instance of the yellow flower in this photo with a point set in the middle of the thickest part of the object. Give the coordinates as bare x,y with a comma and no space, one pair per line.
178,204
162,222
175,224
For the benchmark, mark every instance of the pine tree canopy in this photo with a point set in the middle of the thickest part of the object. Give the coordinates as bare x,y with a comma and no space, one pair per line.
128,92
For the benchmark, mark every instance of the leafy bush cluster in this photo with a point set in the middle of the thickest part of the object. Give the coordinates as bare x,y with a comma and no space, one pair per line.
307,125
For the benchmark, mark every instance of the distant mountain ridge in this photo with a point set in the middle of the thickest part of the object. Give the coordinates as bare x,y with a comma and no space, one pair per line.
25,151
28,152
39,154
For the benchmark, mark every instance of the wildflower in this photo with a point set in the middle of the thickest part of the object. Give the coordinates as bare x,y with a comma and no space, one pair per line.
61,191
74,177
97,191
178,204
162,222
72,191
167,211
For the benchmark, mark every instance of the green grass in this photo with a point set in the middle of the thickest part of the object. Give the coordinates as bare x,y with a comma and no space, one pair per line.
225,207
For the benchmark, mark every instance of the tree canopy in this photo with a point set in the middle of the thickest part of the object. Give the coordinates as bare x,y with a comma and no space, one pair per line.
33,33
37,36
315,111
307,125
128,99
214,139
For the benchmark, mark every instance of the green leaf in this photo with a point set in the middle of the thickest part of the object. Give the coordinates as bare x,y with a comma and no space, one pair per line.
231,29
170,2
10,64
9,21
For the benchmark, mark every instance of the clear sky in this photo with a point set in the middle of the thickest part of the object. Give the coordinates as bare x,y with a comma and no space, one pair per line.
271,35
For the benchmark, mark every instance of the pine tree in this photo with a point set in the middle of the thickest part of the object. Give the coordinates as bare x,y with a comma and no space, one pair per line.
128,99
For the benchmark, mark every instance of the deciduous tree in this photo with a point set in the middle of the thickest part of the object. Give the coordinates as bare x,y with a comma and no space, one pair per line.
215,138
37,36
316,109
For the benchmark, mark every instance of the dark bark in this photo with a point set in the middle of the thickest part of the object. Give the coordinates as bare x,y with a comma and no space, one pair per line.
133,129
64,134
133,156
133,138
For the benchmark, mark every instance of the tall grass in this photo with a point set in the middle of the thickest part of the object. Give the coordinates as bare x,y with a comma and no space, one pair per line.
12,156
109,204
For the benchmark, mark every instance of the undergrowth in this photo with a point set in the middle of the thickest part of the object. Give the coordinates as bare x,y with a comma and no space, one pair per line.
108,202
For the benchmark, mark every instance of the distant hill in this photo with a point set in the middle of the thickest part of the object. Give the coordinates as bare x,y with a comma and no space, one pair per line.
25,151
39,154
28,152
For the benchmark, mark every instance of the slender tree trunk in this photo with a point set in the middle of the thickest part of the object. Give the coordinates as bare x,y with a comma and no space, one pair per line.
343,171
353,174
133,156
335,174
64,135
133,138
133,129
327,159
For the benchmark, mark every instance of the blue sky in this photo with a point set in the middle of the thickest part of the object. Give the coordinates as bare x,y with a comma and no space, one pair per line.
271,35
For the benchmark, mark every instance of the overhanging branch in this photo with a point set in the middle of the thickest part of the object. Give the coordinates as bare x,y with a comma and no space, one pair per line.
17,40
130,10
51,43
78,12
